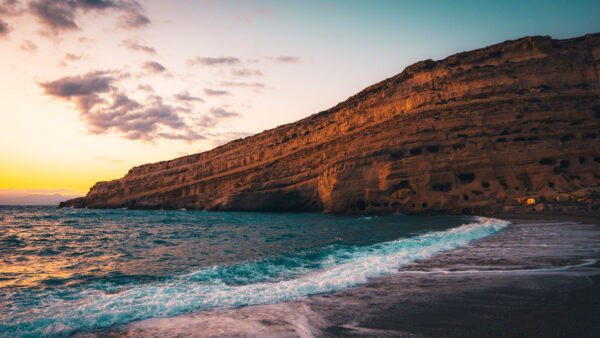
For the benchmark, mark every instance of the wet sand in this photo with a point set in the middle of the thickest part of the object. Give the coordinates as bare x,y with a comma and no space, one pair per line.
536,278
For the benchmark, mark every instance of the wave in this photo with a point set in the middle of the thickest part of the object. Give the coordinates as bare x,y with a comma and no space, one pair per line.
266,281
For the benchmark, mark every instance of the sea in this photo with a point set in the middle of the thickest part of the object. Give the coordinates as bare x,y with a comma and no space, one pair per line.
71,271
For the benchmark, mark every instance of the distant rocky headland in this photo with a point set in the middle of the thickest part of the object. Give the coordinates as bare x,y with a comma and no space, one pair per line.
513,126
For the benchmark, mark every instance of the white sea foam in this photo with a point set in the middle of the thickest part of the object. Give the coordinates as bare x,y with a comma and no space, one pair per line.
343,268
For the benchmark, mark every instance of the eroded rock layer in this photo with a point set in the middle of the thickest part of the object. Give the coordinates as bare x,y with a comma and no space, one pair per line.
472,133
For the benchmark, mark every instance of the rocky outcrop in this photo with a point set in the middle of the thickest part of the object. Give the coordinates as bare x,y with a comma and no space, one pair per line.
477,132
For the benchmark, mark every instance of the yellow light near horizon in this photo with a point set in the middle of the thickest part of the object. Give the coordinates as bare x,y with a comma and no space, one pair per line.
53,177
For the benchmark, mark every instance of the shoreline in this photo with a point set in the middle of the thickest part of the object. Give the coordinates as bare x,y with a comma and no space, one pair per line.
446,295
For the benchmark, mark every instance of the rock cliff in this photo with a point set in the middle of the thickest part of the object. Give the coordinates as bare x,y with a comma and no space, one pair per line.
477,132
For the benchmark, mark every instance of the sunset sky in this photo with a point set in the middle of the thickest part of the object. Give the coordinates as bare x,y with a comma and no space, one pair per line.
90,88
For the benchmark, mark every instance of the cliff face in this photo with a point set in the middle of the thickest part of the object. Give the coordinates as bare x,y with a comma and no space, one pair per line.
472,133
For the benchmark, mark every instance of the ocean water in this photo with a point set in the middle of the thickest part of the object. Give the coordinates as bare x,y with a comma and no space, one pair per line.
64,271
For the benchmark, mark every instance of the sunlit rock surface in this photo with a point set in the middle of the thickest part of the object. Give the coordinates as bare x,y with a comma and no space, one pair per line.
478,132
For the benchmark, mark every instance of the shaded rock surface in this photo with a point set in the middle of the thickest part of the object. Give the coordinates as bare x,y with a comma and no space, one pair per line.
478,132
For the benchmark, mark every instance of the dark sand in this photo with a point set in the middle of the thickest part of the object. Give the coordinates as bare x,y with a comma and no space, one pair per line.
536,278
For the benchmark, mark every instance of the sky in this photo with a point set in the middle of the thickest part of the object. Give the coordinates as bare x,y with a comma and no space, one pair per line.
91,88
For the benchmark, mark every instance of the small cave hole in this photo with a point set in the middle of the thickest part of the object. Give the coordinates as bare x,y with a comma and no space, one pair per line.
547,161
465,197
424,205
415,151
397,155
596,109
551,184
485,185
433,149
404,184
361,205
445,187
466,177
566,138
581,160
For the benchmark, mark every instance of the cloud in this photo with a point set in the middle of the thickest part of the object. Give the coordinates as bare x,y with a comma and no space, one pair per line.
133,19
105,108
214,61
146,88
245,72
188,135
222,113
71,57
134,45
68,57
254,85
80,85
213,92
61,16
28,46
215,116
4,28
57,15
185,96
283,59
10,7
222,138
83,89
153,67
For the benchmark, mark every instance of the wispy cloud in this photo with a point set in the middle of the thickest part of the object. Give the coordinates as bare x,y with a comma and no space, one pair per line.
245,72
283,59
68,57
222,138
28,46
105,108
153,67
222,112
71,57
61,16
214,61
8,8
214,92
136,46
253,85
185,96
146,88
133,18
215,116
4,28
